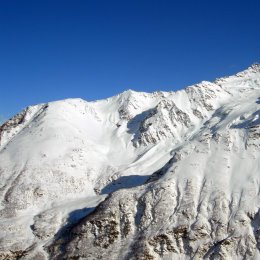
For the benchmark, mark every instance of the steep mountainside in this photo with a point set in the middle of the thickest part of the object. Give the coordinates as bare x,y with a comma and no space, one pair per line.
139,176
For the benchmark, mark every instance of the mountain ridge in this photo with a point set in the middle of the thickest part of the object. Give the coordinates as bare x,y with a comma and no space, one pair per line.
177,173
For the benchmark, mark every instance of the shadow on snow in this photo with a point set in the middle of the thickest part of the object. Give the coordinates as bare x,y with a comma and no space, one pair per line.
125,182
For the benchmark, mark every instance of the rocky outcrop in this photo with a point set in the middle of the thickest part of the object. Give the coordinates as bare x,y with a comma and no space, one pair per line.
11,127
156,222
163,122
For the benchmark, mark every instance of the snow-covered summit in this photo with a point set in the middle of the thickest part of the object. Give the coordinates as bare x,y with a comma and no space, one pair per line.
176,175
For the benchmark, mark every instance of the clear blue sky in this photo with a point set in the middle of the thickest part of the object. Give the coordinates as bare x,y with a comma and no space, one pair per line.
51,50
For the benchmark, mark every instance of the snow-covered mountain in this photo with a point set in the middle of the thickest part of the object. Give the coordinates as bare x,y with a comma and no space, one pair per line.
139,176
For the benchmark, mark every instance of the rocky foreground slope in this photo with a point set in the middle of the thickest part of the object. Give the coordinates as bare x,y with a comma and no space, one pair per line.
139,176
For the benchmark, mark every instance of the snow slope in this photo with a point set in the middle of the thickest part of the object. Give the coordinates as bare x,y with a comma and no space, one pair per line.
175,175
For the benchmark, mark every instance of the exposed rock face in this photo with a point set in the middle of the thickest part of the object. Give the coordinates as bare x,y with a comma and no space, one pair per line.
136,177
12,127
163,122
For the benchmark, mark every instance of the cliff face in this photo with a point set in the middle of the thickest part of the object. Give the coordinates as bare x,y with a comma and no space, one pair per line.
138,176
